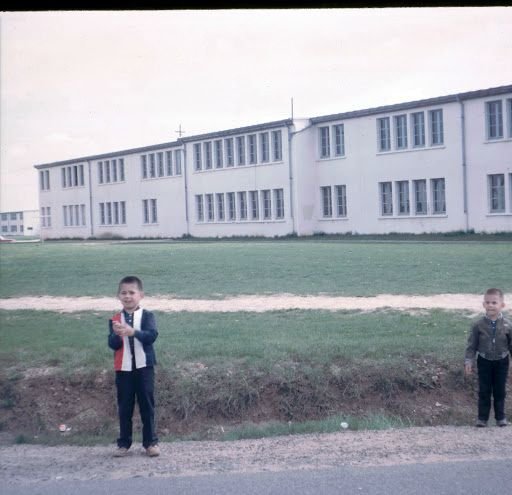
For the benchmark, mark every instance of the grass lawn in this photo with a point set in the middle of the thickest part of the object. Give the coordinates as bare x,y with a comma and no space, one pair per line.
218,269
33,339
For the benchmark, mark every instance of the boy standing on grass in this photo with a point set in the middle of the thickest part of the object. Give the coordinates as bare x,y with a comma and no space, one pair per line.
491,338
131,335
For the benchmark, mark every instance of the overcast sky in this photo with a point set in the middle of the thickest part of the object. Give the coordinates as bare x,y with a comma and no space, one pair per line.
81,83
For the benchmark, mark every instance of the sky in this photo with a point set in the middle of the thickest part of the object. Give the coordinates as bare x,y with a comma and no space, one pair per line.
74,84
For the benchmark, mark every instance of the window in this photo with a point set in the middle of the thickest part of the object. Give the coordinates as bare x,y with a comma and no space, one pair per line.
420,197
152,166
106,170
509,107
400,132
230,162
113,164
197,157
210,217
267,204
240,150
436,127
121,169
494,117
44,180
231,206
220,207
46,216
160,163
255,205
384,134
418,129
265,147
14,228
168,162
339,140
325,144
13,216
4,216
72,176
326,201
4,228
279,203
386,199
253,154
149,210
219,162
199,208
277,146
177,161
403,197
144,166
242,205
438,196
341,201
207,155
496,193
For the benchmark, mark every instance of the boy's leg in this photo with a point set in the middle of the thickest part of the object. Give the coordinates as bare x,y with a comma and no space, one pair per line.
146,399
499,387
125,384
484,388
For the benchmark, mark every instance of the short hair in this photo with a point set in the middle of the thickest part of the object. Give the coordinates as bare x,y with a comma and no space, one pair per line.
131,279
494,292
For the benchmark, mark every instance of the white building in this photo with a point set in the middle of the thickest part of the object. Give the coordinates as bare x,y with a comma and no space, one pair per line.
16,223
437,165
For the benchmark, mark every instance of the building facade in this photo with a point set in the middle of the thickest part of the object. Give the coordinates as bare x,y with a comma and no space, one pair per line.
437,165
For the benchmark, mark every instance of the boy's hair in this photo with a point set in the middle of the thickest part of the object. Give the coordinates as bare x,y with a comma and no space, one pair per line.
131,279
494,292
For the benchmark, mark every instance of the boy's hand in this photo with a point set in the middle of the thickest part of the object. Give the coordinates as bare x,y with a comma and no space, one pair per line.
122,329
468,369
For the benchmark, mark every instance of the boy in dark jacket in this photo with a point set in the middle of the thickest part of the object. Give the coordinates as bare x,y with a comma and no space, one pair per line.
491,339
132,333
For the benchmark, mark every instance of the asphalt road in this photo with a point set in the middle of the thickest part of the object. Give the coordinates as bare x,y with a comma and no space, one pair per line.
450,478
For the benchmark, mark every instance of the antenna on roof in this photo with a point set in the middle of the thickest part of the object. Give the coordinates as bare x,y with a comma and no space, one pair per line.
292,106
180,131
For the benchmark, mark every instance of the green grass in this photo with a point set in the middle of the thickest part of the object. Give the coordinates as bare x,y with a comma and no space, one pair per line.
226,340
218,269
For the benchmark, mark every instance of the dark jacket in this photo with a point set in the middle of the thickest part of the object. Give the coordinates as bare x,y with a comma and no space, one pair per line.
482,341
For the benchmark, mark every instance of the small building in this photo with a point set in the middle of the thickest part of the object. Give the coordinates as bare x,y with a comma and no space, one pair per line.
437,165
19,223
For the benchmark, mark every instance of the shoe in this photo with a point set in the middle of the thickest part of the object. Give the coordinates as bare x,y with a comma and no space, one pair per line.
501,422
120,452
481,423
153,451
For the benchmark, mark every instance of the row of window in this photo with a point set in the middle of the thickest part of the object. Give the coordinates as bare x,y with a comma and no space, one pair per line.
72,176
494,119
113,213
337,132
111,171
15,215
393,133
266,204
153,164
340,201
46,216
11,228
428,197
74,215
241,150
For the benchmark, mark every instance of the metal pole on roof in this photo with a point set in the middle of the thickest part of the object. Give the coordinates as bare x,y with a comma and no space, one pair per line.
292,107
180,131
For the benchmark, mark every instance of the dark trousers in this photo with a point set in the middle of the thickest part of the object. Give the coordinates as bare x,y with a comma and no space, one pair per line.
138,384
492,380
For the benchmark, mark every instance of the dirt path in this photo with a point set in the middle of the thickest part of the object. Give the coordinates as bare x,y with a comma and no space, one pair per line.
31,463
257,303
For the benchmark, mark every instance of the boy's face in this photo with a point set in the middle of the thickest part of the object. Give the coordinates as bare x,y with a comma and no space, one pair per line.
130,296
493,304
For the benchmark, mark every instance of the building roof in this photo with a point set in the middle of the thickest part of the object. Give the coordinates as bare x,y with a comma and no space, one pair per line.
440,100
